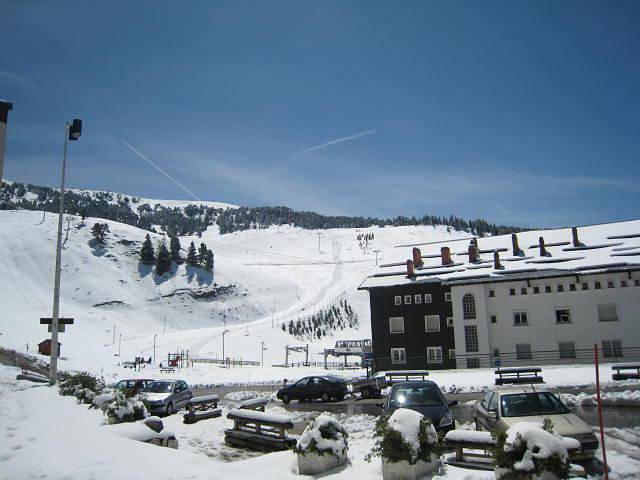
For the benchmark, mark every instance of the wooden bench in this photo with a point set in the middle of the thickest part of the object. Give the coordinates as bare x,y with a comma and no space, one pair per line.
31,375
167,370
201,408
266,432
518,375
472,449
257,404
621,371
397,376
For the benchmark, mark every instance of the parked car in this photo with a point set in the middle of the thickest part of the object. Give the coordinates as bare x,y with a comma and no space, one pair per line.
166,396
504,407
310,388
423,397
134,385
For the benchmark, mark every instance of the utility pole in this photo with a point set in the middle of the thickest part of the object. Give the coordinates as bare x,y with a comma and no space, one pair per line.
71,132
154,348
165,325
120,345
224,360
319,235
262,353
376,252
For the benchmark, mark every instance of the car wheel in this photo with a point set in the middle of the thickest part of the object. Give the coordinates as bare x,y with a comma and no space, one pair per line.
366,393
286,398
169,410
325,397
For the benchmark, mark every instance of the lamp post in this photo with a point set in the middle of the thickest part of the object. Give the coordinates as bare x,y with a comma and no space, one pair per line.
154,348
223,357
72,132
263,348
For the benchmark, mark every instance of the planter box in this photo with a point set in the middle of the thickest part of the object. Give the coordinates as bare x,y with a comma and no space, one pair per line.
405,471
500,472
312,463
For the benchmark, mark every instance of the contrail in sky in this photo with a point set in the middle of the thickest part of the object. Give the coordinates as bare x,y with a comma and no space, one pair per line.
355,136
147,159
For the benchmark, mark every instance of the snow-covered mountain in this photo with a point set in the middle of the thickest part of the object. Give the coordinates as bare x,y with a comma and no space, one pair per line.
262,278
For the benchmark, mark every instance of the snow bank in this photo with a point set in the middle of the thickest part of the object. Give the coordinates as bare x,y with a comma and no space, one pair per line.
628,398
260,416
242,395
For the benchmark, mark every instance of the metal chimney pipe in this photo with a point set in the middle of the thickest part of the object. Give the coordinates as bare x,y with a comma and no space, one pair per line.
516,247
574,235
543,250
4,114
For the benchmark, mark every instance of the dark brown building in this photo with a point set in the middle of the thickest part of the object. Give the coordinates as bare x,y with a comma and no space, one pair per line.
44,348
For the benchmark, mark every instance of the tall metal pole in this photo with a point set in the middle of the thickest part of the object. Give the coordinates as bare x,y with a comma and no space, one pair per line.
119,345
600,421
262,354
53,364
154,349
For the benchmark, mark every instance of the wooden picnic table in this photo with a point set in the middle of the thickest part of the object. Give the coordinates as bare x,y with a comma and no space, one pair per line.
621,370
201,408
261,431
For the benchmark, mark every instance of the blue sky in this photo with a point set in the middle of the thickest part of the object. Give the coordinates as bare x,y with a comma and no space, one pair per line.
520,112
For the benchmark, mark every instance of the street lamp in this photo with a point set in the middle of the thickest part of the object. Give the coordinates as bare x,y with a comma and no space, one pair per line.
72,132
154,348
263,348
223,357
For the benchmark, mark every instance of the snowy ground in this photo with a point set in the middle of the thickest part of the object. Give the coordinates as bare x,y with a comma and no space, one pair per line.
49,436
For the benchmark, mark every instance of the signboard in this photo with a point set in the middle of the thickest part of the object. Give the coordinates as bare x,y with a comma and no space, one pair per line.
352,347
61,321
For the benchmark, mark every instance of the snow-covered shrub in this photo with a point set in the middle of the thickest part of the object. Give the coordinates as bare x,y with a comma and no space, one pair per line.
408,445
123,409
104,398
530,450
83,386
322,446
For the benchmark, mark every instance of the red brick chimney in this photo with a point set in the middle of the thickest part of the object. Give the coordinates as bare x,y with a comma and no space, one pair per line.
543,251
410,272
473,253
417,257
576,240
446,256
516,247
496,261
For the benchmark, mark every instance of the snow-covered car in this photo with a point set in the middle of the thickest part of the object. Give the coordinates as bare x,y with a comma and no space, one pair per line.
425,398
166,396
504,407
310,388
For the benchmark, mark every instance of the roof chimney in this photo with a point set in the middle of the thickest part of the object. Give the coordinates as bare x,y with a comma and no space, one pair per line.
473,253
576,240
410,272
543,251
417,257
516,247
445,253
496,261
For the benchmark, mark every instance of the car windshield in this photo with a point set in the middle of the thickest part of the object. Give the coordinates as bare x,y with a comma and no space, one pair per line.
531,404
159,387
418,395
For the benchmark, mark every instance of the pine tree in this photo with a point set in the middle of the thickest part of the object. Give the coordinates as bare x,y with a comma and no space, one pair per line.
174,247
208,261
284,329
147,254
202,254
163,261
192,258
99,231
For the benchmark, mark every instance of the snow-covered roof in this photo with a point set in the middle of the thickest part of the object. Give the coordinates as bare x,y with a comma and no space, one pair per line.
602,247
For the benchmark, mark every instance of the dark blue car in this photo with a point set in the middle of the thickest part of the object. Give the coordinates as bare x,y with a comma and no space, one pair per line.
425,398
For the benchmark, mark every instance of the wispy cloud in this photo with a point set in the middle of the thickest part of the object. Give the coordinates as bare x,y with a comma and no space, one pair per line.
22,82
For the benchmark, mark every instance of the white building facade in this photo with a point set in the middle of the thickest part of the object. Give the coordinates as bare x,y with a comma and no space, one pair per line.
538,317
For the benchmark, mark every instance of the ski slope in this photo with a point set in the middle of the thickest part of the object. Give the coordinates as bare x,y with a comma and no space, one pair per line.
275,275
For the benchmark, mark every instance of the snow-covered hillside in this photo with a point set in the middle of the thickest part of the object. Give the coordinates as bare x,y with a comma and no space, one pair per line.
262,278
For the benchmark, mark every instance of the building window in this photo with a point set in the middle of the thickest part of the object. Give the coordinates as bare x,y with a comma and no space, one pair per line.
471,338
523,291
417,299
434,354
496,353
427,298
585,286
452,353
512,291
563,315
447,297
494,319
547,289
397,300
468,307
607,312
520,318
597,285
611,348
492,293
523,351
536,289
431,323
449,321
610,284
407,299
572,287
567,349
473,363
398,356
396,324
560,287
623,283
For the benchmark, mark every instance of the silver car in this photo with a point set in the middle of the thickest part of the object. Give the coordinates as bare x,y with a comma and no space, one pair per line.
165,397
504,407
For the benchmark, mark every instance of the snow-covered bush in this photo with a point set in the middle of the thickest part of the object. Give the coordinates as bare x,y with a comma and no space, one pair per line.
123,409
407,442
530,450
83,386
104,398
322,446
